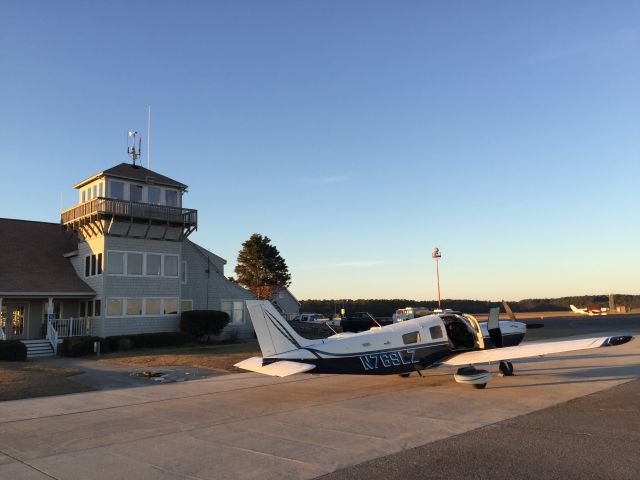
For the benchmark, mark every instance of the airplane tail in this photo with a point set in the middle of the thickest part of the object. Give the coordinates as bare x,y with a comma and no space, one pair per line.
575,310
274,333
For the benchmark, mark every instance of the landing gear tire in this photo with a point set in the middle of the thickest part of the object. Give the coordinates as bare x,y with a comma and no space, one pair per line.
404,375
479,386
506,368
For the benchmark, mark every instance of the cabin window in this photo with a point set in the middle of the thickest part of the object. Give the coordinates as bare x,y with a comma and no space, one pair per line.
171,198
134,306
436,332
114,307
170,306
134,263
115,263
154,264
411,337
152,306
116,190
171,265
153,195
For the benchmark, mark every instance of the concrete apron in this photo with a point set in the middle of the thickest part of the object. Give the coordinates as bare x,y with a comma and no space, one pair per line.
249,426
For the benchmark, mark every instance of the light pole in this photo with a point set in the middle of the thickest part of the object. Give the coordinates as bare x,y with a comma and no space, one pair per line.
436,256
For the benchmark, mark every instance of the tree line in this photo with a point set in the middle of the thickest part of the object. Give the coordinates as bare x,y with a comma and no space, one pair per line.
386,307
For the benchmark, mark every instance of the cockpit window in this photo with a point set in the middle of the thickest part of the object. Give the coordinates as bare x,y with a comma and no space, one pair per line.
436,332
412,337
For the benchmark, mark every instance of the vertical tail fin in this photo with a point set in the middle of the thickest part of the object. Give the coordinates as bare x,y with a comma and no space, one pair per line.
575,310
274,333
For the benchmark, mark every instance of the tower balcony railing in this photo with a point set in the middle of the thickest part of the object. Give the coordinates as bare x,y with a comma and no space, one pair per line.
111,207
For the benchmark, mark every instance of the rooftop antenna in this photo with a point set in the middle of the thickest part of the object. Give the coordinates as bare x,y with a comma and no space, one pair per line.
131,150
149,137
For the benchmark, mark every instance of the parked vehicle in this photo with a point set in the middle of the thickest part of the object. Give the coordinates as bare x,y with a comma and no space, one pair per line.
311,318
360,322
408,313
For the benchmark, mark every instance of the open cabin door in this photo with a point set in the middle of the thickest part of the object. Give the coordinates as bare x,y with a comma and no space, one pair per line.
476,329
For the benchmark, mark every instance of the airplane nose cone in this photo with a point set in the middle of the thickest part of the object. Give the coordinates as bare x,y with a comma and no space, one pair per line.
619,340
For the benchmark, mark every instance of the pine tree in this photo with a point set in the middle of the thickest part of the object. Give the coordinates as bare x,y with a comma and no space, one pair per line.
260,267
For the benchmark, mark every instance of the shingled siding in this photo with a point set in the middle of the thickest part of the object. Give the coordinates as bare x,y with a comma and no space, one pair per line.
209,290
92,246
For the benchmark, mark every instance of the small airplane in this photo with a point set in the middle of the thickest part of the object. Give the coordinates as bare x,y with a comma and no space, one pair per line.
591,310
443,339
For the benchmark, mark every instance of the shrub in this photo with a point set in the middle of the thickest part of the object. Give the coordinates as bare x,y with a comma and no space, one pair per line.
13,351
119,343
80,346
199,323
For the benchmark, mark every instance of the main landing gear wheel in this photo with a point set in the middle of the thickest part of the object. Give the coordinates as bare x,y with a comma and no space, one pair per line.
404,375
506,368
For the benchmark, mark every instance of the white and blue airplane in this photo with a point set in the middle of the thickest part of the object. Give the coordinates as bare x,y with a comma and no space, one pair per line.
442,339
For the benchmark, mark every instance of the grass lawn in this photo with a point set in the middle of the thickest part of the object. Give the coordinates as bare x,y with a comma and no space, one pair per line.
214,357
26,379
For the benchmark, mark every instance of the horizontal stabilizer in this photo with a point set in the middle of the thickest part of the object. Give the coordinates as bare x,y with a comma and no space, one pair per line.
282,368
537,349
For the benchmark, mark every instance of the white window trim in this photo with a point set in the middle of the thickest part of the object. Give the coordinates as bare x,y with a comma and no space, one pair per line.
144,264
233,301
123,310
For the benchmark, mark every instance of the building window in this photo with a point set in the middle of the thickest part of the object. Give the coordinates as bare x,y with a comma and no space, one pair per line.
97,308
170,306
153,195
115,263
84,196
171,198
92,265
114,307
183,273
100,189
186,305
171,265
135,193
154,264
95,191
134,306
152,306
235,310
116,190
134,263
90,308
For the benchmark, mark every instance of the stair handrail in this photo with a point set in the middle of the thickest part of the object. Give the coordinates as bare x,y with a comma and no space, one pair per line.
52,336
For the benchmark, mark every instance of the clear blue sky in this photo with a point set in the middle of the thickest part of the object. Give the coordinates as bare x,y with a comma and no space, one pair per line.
357,135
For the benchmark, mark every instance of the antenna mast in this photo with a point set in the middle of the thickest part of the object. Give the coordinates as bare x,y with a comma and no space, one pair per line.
149,136
131,150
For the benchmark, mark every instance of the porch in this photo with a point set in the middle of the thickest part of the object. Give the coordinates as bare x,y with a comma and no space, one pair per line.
38,321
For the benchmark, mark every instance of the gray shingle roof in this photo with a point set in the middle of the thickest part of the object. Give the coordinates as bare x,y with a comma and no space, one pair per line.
137,173
32,261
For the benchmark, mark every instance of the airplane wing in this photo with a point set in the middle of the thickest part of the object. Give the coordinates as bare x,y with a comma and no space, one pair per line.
537,349
282,368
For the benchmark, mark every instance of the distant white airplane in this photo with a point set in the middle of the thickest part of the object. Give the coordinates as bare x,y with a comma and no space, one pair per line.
448,338
592,310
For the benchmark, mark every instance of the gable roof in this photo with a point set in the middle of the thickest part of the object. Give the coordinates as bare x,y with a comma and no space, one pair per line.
32,259
137,173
